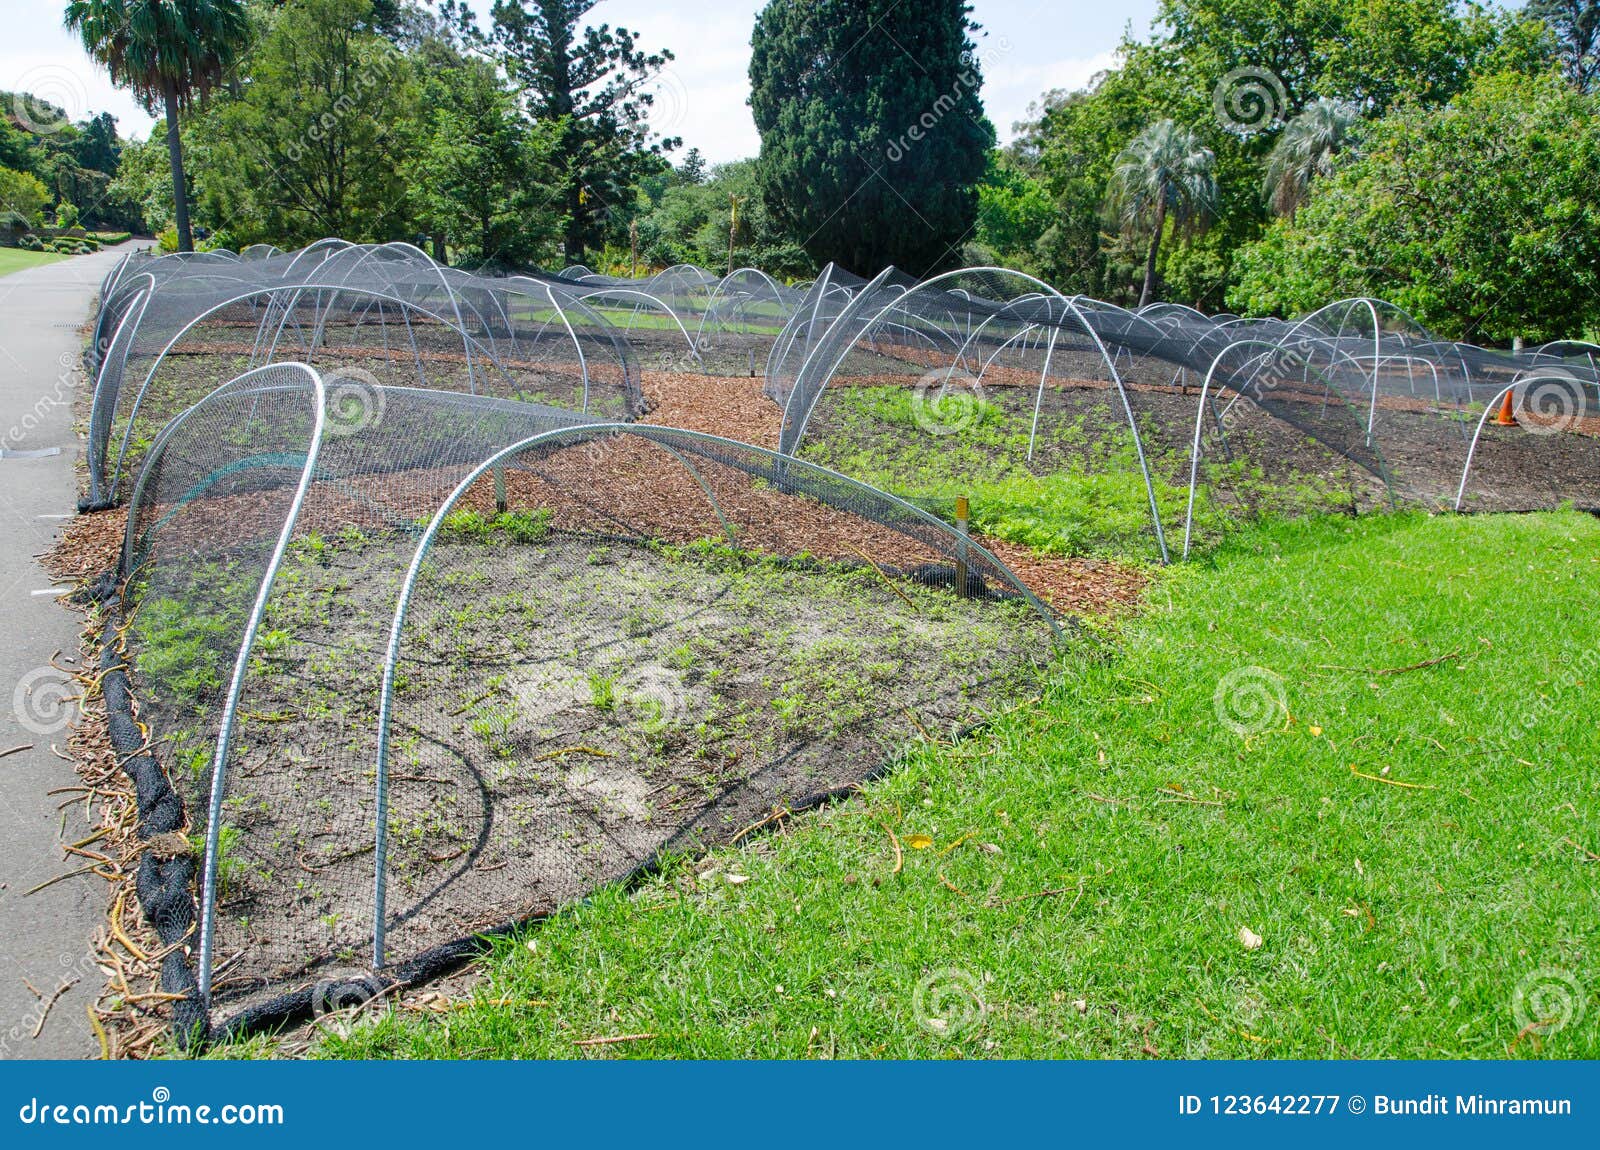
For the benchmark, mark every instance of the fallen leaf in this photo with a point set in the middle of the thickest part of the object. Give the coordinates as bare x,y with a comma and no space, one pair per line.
919,842
736,879
1081,1005
990,848
1316,732
1250,939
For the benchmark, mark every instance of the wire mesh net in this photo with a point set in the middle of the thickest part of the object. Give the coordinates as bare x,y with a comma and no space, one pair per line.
433,639
620,640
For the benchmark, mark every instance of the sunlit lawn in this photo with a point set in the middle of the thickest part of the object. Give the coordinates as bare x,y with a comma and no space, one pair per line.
1333,793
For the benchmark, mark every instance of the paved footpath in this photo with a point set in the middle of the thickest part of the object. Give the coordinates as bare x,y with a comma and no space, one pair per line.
44,937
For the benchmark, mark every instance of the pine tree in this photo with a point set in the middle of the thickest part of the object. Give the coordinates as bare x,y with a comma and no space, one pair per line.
589,80
873,137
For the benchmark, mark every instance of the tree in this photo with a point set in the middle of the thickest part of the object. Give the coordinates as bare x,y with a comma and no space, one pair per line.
693,168
1237,72
144,183
591,84
320,140
1478,218
1164,175
1306,149
1014,212
97,146
166,51
1576,27
485,179
873,138
22,193
680,223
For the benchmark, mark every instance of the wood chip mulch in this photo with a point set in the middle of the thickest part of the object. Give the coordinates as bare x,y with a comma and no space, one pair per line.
736,409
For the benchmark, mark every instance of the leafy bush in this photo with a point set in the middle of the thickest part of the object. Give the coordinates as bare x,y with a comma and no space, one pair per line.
31,243
22,193
1479,218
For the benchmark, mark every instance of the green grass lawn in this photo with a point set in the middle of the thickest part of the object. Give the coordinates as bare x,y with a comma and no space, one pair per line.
16,259
1250,823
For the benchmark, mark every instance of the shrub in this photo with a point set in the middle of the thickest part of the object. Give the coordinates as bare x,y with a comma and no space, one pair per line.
23,193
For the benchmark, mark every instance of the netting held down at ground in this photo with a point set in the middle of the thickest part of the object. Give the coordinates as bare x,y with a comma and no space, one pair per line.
431,639
467,688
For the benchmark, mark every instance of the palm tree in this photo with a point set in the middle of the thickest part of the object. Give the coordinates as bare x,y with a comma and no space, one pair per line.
1165,173
1306,150
167,52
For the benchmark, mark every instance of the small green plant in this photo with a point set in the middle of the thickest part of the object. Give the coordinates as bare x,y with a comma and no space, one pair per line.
513,526
230,867
683,657
493,724
603,691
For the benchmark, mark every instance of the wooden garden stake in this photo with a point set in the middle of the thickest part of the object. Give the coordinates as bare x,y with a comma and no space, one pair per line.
500,490
961,545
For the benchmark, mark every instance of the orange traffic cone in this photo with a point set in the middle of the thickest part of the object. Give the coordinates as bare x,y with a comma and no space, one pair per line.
1505,418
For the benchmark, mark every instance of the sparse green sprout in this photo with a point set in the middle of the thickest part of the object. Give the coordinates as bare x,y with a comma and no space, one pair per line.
603,691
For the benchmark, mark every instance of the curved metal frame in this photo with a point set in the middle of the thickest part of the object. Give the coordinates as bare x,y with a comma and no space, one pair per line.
573,436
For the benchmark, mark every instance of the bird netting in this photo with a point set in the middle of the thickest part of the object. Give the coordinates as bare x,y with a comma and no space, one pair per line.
430,638
544,655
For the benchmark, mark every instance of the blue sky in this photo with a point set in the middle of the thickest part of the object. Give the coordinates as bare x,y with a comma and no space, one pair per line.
1032,45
